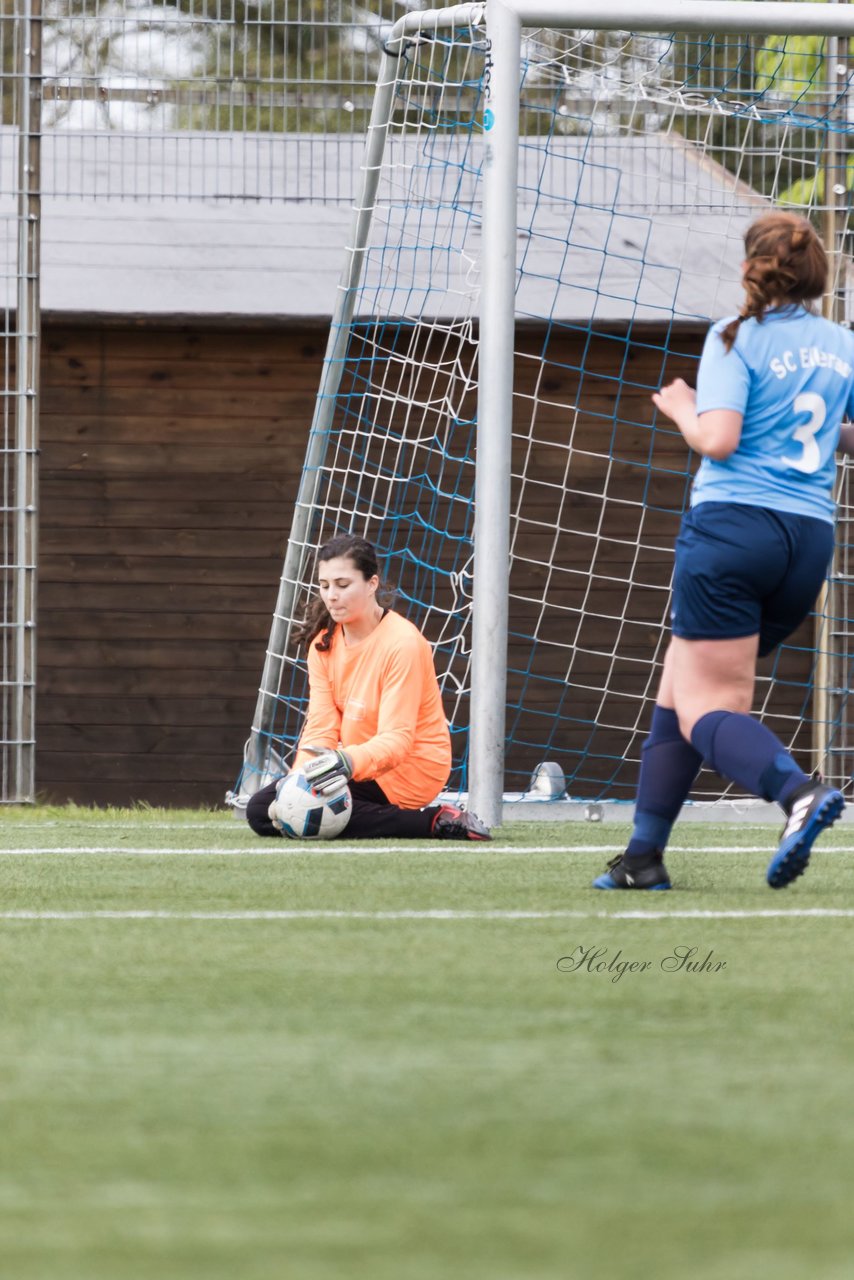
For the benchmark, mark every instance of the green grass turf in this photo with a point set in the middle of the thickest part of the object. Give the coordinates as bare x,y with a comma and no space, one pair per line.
417,1099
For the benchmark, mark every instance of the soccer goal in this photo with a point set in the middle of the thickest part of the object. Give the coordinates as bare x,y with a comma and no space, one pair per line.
551,213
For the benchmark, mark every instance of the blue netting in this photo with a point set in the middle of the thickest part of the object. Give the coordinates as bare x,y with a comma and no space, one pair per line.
642,161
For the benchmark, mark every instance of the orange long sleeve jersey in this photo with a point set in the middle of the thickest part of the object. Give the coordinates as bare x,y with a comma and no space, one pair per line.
380,700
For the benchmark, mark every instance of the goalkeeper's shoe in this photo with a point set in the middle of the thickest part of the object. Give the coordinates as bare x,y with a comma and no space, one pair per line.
451,823
634,873
811,809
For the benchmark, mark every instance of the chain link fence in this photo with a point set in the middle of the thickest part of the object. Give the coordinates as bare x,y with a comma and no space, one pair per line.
19,289
137,81
209,101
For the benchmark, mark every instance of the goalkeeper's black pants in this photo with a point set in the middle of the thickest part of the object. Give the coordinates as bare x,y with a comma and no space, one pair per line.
373,816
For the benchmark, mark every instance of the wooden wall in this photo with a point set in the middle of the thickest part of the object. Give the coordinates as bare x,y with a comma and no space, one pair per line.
169,465
170,462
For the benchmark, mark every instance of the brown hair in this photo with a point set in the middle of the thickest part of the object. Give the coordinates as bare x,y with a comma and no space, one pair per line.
786,264
364,558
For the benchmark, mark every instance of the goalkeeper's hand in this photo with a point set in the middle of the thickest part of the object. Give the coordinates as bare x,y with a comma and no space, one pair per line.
329,771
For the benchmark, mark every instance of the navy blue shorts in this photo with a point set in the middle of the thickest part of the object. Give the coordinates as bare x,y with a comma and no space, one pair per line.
743,571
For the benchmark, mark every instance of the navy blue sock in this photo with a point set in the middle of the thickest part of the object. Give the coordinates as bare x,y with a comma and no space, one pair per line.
744,751
669,765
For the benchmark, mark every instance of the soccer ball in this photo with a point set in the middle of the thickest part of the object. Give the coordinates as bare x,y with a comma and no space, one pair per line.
301,813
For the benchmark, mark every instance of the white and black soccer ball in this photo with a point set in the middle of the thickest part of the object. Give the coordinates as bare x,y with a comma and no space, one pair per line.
301,813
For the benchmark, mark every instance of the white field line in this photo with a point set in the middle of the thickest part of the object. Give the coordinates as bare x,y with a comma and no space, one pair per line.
436,914
288,849
78,823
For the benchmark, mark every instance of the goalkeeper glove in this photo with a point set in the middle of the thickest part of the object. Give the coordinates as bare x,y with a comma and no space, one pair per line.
330,771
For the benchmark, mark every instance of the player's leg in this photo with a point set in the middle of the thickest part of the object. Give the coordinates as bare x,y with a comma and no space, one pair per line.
747,752
706,676
712,684
669,765
374,817
710,539
371,815
745,579
256,811
814,806
713,691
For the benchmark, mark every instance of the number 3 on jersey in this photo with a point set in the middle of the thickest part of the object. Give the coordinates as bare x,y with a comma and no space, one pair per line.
810,459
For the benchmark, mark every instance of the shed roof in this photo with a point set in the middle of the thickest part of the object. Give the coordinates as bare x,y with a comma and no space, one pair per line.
616,229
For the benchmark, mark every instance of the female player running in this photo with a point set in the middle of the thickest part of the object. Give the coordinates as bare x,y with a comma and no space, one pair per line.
773,387
375,720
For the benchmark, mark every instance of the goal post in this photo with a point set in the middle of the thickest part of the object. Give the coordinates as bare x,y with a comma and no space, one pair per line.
425,347
504,23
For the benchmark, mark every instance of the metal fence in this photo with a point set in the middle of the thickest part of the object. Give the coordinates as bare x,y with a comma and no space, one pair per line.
295,79
19,220
201,100
267,71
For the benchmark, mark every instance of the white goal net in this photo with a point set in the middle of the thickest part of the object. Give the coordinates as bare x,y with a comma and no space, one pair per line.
642,159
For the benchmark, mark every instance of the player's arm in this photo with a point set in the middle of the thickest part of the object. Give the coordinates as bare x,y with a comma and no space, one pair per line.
846,439
323,722
714,434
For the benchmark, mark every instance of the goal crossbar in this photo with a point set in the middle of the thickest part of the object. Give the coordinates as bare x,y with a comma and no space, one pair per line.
752,17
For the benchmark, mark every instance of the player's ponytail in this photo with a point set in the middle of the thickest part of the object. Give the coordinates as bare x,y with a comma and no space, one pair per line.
318,621
786,265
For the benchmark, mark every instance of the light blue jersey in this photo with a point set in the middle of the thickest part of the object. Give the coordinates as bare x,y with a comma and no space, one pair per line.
791,376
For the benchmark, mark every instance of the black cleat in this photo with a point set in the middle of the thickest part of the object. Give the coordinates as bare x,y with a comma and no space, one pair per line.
451,823
634,873
812,809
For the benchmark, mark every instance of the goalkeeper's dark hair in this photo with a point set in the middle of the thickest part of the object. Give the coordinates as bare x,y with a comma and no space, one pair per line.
786,266
317,620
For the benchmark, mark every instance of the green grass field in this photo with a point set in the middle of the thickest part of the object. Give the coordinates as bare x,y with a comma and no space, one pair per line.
229,1058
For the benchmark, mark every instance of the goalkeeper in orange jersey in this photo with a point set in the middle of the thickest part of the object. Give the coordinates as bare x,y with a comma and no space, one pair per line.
375,719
